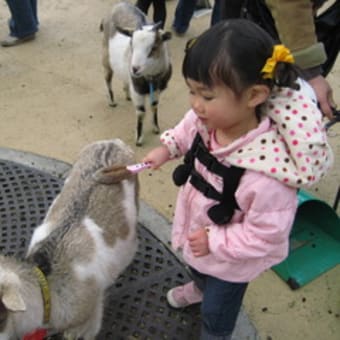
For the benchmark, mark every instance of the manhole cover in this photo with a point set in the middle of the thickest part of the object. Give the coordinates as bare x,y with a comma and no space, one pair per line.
136,305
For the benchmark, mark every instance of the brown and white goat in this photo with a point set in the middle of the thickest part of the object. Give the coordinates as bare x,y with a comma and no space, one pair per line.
85,242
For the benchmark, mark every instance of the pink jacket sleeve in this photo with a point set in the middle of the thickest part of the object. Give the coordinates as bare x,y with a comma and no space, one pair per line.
269,208
179,139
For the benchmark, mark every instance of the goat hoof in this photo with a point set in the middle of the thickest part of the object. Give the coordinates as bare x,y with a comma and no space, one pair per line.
139,141
156,130
113,104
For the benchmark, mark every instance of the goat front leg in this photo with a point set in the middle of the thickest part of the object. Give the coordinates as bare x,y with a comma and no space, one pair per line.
94,324
140,112
139,103
154,99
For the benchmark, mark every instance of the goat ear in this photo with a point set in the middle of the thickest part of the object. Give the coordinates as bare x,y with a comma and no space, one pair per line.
166,36
12,299
112,175
125,31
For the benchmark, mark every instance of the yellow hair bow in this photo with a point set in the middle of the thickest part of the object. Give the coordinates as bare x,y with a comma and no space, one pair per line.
280,54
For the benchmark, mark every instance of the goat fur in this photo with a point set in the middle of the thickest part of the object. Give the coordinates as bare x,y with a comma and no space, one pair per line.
86,240
136,51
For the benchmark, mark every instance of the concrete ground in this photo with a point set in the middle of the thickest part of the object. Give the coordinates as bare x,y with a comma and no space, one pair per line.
53,102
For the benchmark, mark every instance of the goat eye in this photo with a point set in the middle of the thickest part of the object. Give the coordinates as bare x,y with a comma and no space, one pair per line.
153,50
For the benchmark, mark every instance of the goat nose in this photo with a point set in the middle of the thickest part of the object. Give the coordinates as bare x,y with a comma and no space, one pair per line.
135,69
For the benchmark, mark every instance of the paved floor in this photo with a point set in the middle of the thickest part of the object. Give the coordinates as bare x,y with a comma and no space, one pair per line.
53,102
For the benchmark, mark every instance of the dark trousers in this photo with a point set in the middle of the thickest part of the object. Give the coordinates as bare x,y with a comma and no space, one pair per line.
24,18
185,10
221,304
159,9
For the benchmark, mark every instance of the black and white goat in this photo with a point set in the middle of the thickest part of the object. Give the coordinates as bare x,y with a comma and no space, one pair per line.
136,51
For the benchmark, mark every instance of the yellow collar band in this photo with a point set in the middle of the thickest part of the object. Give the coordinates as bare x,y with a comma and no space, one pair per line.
45,291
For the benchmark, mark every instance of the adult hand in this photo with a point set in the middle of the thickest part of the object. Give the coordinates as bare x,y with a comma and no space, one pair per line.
198,242
324,94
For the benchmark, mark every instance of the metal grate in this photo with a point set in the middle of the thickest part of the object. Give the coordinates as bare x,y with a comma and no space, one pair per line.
136,306
25,196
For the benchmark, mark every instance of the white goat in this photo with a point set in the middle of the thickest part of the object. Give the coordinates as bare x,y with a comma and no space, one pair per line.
86,240
137,52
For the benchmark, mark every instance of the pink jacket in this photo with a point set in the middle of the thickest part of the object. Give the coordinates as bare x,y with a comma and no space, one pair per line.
257,237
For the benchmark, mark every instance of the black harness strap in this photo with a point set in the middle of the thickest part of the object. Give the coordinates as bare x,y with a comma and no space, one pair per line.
204,187
222,212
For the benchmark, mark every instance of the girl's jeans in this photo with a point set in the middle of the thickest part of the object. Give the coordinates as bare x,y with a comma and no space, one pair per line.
221,304
24,19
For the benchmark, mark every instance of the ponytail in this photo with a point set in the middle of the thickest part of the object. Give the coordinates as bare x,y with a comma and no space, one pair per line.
285,75
280,68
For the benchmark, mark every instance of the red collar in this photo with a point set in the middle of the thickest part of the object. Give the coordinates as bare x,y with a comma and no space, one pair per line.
38,334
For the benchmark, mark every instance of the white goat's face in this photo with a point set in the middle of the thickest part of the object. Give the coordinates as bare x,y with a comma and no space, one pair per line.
147,46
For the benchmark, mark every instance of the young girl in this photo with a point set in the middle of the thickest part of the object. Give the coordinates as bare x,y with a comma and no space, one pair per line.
251,138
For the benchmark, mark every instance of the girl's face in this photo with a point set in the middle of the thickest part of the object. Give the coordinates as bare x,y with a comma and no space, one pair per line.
220,109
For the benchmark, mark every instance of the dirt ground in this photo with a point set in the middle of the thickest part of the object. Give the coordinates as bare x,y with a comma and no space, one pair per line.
53,102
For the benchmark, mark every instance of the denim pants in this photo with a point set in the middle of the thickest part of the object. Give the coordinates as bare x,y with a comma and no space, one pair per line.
24,18
220,307
183,14
185,10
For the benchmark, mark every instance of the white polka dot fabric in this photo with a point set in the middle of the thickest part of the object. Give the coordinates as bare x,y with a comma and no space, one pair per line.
295,150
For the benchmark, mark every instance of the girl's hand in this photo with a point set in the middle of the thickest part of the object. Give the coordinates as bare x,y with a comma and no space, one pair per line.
157,157
199,243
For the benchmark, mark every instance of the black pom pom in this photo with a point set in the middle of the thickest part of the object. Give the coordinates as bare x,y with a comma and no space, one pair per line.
181,174
220,214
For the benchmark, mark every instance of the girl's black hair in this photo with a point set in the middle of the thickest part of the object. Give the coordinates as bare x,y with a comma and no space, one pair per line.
233,52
